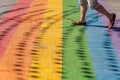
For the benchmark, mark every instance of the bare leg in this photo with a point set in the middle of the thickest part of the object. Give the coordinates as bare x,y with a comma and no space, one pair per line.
83,10
102,10
111,17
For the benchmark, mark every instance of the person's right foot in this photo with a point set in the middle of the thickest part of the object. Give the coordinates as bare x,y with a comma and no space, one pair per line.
79,23
112,21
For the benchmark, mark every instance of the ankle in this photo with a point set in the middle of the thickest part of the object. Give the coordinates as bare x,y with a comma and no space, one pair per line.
110,17
82,20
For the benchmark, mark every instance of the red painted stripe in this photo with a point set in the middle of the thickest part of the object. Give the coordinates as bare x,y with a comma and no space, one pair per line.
8,24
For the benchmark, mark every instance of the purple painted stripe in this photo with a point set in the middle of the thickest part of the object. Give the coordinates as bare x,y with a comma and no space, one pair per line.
115,32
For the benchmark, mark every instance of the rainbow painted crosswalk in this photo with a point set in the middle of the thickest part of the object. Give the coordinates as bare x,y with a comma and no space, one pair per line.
38,42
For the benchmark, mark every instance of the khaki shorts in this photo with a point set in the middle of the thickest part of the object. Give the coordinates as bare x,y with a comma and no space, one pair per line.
92,3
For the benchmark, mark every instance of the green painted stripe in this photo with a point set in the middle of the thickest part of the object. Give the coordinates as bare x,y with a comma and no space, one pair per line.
77,63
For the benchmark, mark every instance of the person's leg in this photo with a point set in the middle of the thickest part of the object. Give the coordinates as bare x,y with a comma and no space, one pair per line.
83,10
95,5
102,10
111,17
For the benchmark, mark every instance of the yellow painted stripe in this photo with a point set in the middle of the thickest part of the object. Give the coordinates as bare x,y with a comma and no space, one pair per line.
47,61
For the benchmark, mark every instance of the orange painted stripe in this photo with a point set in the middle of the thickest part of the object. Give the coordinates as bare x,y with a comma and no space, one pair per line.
8,24
15,63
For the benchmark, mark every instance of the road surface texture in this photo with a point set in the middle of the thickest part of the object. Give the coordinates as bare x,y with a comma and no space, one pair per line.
38,41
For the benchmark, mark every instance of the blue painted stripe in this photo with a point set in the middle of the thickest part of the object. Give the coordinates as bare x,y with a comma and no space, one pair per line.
104,58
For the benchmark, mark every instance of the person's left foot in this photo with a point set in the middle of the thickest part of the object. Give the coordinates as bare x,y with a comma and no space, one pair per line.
79,23
112,21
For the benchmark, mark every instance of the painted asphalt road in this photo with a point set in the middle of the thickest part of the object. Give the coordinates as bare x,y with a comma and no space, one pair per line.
38,42
114,6
101,48
5,5
115,32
